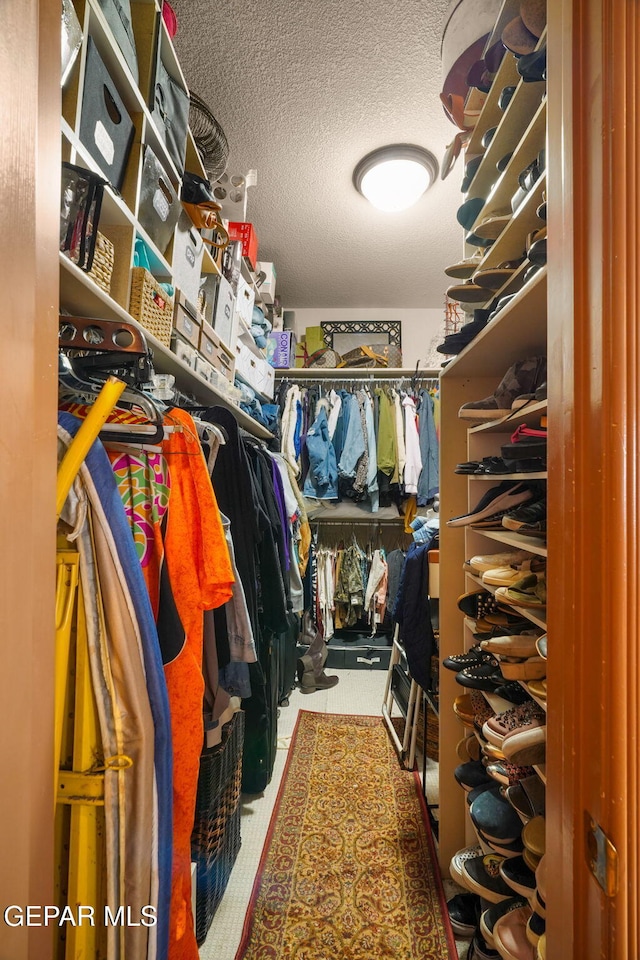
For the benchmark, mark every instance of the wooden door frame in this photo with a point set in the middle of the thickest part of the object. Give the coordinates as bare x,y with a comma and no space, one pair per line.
594,498
29,214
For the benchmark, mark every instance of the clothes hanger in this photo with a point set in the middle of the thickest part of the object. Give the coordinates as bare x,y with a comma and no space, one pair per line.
73,384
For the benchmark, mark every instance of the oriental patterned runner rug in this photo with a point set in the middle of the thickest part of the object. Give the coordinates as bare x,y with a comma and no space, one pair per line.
348,871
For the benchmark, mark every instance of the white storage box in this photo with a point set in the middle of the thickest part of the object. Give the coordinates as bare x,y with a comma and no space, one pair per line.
254,370
268,286
224,315
245,300
186,259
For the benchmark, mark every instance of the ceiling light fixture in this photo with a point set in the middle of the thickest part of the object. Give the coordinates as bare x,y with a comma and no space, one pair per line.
393,178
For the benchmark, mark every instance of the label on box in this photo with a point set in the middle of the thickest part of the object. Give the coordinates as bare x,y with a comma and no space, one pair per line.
160,204
103,142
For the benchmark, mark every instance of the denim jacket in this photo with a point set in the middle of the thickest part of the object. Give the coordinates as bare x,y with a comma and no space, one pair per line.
322,479
354,445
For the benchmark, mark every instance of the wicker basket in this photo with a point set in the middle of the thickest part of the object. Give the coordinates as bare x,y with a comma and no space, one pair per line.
215,839
150,305
102,266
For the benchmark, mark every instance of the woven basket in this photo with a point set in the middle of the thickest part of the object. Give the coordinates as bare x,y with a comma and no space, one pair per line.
212,882
215,839
150,305
102,266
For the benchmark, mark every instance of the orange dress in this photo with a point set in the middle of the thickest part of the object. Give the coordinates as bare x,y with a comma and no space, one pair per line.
201,577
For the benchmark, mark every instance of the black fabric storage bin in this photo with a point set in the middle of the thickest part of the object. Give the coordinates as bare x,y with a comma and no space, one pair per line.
106,129
117,13
159,207
171,114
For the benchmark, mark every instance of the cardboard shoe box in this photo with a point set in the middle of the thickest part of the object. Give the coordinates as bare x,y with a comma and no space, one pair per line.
215,352
186,320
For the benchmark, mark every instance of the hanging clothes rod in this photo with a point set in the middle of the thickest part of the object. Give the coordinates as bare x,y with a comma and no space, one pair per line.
356,374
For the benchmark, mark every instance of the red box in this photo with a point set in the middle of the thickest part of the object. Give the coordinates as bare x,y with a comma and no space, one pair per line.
245,233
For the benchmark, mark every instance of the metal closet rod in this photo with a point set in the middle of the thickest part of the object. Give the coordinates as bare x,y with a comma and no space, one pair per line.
357,375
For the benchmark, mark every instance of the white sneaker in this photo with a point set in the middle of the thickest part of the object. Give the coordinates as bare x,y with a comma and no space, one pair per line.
489,561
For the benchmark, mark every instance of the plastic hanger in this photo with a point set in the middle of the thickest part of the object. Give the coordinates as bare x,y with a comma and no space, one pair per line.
73,385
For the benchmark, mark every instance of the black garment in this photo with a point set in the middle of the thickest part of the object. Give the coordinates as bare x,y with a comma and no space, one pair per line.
412,612
395,563
237,495
271,553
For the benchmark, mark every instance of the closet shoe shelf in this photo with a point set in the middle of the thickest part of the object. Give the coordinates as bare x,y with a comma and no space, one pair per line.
530,415
516,540
498,477
83,297
518,331
529,613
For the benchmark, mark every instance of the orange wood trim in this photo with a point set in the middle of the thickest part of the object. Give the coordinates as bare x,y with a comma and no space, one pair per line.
29,214
594,499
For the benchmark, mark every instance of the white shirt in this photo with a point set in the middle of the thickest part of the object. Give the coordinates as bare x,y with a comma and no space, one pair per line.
413,464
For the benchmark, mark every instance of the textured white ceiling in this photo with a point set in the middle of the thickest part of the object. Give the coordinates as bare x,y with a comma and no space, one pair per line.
303,90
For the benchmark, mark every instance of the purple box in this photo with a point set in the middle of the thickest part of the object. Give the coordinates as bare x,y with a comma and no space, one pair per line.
281,349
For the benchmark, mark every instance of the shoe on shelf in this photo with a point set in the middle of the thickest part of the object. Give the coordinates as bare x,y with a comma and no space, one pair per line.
481,875
510,935
533,836
490,787
541,646
472,774
518,876
507,773
458,860
527,744
486,676
489,917
477,604
529,516
518,645
529,591
525,443
527,797
521,717
538,688
505,576
535,928
504,848
513,692
524,376
541,949
502,498
533,668
489,561
464,913
494,816
459,661
480,950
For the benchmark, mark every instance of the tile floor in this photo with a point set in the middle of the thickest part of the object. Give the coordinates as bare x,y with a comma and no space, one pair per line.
359,692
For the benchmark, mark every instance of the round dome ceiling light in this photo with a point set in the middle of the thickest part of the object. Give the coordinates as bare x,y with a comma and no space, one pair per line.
393,178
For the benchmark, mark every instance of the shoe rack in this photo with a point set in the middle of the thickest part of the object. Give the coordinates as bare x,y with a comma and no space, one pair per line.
122,210
517,331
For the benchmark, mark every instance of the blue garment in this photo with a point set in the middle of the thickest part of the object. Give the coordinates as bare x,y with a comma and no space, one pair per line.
342,424
297,435
354,445
412,611
322,479
372,473
107,490
429,452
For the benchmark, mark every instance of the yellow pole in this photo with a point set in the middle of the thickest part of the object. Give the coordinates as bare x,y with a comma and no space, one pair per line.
81,443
